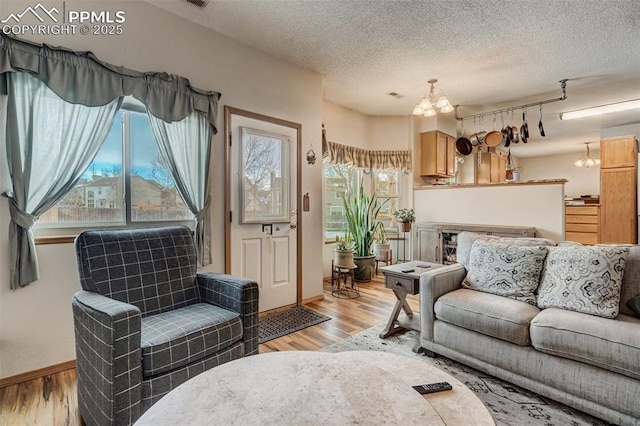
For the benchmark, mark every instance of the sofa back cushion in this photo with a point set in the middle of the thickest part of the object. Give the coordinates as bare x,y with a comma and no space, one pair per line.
630,280
585,279
466,239
151,268
505,269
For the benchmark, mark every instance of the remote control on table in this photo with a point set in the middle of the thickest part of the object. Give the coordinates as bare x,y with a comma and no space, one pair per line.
432,387
407,270
423,266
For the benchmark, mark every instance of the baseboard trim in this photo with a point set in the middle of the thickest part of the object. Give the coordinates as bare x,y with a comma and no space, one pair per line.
317,298
36,374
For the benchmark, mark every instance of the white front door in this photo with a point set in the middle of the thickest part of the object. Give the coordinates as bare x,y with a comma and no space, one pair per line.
263,202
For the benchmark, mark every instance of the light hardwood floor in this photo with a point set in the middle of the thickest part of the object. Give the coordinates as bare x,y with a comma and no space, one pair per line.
51,400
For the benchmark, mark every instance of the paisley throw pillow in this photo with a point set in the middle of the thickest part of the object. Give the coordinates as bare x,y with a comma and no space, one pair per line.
583,279
505,269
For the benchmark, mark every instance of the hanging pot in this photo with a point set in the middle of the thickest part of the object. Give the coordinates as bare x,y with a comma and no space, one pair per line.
463,145
506,133
515,132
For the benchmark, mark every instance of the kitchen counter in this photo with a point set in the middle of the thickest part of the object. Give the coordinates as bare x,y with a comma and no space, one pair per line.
538,204
474,185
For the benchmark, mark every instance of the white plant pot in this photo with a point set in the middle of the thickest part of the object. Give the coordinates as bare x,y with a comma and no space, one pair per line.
381,250
343,258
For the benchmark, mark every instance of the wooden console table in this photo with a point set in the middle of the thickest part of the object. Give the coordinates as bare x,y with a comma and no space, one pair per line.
403,284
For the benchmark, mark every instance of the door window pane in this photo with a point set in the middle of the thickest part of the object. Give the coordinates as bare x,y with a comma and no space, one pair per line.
265,183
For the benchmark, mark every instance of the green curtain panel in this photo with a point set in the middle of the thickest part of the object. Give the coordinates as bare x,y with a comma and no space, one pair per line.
185,147
80,77
50,143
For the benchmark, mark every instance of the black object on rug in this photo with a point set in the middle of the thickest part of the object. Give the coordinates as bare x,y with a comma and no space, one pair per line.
509,405
286,322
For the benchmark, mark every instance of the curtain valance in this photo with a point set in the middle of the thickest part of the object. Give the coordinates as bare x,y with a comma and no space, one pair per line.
81,78
359,157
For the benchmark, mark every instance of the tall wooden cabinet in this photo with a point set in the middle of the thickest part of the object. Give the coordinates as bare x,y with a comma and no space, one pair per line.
618,190
437,154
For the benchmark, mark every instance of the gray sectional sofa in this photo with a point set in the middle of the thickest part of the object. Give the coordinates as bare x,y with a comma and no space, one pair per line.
585,361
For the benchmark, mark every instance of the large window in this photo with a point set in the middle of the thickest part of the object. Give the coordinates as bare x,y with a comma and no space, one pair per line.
341,179
127,182
388,184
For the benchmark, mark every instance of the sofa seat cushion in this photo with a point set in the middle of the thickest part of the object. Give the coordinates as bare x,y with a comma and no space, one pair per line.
612,344
176,338
485,313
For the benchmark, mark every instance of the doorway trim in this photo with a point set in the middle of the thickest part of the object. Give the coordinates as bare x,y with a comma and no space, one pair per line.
228,112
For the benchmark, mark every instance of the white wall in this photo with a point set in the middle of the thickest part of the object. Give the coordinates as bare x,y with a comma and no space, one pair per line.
344,125
581,180
35,322
540,206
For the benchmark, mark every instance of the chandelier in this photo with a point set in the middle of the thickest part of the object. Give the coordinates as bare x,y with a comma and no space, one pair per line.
429,102
587,161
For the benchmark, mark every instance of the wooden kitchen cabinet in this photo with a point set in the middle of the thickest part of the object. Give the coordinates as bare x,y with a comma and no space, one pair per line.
618,190
491,167
582,224
618,205
437,154
618,152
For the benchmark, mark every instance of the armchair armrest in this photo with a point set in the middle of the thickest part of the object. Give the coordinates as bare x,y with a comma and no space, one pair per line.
108,355
236,294
434,284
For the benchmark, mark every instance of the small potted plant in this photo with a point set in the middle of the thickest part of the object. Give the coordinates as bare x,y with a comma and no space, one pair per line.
343,250
405,217
381,246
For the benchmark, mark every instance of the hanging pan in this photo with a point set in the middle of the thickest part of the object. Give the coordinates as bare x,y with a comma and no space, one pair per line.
463,145
540,127
494,137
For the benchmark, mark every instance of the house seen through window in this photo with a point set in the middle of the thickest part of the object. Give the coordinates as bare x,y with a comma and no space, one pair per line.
127,182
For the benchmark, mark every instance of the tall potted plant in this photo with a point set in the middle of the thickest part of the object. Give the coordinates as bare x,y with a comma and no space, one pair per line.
361,212
405,218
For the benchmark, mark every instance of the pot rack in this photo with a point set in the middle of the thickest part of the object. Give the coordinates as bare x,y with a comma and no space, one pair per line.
563,96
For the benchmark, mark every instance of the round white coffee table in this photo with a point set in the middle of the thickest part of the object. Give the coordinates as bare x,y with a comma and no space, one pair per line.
298,388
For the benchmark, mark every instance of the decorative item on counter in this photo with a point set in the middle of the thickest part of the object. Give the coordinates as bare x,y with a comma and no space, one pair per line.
509,168
405,218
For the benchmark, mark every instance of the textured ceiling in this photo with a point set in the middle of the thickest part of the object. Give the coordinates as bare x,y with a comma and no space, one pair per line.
487,54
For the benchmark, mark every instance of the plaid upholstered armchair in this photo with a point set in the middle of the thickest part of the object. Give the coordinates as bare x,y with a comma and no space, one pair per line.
145,321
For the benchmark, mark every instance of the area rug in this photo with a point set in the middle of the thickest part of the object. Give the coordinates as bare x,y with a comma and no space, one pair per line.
286,322
508,404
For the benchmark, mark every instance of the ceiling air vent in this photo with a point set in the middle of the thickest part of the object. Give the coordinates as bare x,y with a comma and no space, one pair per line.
198,3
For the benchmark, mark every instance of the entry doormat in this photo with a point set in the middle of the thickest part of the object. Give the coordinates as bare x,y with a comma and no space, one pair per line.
286,322
509,404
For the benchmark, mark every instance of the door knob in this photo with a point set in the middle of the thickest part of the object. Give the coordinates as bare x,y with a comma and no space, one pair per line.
293,225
